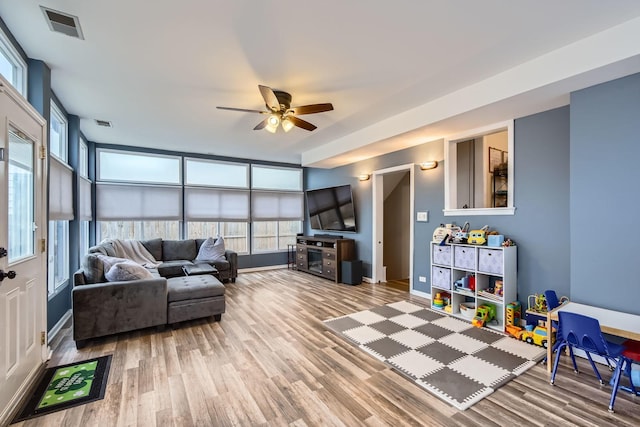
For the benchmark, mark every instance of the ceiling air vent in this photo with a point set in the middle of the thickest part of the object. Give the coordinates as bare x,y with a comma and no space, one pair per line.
104,123
62,22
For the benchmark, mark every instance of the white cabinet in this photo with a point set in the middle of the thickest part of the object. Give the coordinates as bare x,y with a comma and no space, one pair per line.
485,267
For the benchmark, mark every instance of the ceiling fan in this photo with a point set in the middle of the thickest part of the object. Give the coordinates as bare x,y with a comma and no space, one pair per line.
279,108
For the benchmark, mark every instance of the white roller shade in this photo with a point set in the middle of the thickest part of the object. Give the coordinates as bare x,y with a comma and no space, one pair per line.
277,206
116,202
84,205
60,191
216,204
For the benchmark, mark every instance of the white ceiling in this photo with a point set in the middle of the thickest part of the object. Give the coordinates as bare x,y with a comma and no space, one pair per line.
398,73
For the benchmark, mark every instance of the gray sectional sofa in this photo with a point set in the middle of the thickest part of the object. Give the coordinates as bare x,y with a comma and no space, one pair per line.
103,308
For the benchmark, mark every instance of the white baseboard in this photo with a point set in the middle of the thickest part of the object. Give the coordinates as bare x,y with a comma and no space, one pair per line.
367,279
58,326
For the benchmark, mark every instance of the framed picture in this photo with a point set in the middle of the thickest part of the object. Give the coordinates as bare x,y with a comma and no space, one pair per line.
495,158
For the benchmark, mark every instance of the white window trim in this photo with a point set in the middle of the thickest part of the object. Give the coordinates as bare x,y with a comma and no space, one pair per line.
10,51
57,112
450,171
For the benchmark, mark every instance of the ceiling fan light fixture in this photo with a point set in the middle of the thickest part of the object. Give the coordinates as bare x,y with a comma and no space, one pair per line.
272,123
287,125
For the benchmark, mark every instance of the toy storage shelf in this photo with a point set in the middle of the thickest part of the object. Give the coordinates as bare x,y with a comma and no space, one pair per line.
488,265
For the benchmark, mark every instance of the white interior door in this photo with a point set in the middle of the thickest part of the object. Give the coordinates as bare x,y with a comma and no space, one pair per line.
23,290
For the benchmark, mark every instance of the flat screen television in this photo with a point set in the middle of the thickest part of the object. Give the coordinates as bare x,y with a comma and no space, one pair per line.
331,209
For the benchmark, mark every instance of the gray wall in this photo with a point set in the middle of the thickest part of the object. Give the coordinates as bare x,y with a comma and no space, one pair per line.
605,148
539,227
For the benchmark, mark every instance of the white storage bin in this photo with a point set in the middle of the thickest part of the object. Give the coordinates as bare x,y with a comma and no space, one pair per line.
464,257
441,254
441,277
490,261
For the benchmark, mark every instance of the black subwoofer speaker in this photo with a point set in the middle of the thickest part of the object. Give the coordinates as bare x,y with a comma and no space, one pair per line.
352,272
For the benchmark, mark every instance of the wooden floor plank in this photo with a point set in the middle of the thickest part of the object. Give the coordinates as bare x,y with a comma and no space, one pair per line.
272,362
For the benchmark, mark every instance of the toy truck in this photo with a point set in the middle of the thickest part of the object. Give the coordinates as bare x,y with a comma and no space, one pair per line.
484,313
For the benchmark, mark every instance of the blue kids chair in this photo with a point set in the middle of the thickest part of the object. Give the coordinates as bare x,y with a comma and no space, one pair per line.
576,331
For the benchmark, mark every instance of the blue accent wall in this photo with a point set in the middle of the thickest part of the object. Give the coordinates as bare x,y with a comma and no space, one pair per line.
605,148
539,227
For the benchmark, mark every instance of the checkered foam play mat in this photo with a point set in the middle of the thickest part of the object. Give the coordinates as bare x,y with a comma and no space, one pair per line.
459,363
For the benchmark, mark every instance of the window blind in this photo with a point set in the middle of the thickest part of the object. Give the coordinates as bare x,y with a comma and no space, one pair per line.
216,204
138,202
60,191
277,206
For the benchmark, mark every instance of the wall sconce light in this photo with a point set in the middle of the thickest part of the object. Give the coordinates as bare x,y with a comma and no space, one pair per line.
429,165
364,177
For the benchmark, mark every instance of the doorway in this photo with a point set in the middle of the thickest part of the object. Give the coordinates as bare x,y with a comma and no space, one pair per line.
23,279
392,237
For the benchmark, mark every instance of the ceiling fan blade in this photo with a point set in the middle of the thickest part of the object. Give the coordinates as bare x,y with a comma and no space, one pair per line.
301,123
243,110
311,109
269,98
262,124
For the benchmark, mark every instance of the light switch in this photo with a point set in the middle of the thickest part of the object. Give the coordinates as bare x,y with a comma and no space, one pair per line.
423,216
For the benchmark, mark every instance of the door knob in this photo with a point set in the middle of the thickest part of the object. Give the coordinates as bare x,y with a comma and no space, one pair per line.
9,274
3,252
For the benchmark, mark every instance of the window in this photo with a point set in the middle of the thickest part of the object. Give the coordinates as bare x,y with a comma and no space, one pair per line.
58,255
235,234
126,166
271,236
60,201
139,230
479,172
138,195
21,197
277,207
216,202
84,190
216,174
12,66
58,133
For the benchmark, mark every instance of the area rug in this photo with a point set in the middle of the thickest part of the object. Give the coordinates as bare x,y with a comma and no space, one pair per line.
63,387
452,359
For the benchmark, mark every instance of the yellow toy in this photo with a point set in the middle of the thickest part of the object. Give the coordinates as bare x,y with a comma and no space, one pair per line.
478,237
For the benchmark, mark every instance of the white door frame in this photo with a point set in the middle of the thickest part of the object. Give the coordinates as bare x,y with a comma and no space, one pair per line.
377,242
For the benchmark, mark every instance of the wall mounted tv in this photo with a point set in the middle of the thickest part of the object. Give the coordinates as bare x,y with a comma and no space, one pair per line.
331,209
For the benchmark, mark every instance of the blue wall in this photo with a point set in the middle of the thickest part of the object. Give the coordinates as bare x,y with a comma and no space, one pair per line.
539,227
605,148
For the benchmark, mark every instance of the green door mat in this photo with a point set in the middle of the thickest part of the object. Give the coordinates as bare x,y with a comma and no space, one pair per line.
63,387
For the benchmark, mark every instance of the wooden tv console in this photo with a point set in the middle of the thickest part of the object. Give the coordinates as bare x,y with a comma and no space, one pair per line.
323,256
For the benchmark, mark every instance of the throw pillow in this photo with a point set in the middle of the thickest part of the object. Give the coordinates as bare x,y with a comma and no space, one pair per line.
127,270
212,250
109,261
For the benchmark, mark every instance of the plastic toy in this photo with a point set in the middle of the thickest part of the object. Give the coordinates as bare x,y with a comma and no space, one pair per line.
478,237
484,314
513,313
438,302
463,235
537,336
537,303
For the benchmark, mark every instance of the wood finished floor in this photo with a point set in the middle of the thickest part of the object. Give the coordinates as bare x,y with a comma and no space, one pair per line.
270,361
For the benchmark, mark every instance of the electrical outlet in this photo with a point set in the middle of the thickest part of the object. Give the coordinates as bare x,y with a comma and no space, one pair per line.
422,216
422,279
